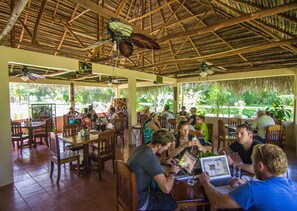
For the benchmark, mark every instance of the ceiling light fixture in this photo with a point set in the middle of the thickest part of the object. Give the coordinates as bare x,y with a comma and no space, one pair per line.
203,74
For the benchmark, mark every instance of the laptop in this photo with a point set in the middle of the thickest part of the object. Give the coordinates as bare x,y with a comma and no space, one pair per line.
218,169
187,163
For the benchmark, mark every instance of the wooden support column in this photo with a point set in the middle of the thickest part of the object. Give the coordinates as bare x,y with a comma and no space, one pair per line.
71,94
131,105
294,142
175,98
6,173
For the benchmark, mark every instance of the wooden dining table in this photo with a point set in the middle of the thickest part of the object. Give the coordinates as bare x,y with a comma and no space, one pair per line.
186,195
79,140
30,128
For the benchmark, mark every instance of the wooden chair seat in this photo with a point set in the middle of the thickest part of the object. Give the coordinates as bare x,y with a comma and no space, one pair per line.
43,134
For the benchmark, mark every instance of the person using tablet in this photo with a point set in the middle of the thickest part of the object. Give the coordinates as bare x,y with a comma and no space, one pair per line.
272,191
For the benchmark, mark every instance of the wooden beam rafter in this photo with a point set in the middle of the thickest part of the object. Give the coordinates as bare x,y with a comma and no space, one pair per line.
231,22
34,35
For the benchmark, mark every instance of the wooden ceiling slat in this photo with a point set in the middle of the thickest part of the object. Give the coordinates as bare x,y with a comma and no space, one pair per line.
42,7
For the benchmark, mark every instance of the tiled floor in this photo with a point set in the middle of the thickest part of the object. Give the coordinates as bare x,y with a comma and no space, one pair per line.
33,189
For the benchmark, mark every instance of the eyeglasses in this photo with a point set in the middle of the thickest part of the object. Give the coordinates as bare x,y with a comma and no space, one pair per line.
260,149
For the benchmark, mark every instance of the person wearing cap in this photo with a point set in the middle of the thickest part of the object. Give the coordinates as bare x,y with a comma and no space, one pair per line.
261,123
150,125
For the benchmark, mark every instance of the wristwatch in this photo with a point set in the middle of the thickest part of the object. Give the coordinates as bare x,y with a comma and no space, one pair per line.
173,173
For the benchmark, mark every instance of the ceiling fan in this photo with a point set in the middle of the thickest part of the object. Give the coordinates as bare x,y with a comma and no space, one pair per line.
204,70
28,75
123,38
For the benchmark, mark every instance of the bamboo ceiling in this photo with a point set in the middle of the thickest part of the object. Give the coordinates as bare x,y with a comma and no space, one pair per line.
230,35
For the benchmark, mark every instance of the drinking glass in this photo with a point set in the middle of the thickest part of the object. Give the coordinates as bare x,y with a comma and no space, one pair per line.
190,179
236,171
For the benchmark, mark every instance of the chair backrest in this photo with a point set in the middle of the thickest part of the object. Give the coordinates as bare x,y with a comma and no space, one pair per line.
234,121
54,145
221,129
126,189
70,129
48,125
194,133
106,143
274,135
172,123
16,129
163,121
210,131
65,119
119,124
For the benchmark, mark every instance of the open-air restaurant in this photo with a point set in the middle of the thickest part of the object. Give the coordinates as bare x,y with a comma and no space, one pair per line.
148,105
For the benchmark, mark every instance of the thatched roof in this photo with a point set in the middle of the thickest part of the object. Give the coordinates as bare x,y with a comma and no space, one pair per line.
230,35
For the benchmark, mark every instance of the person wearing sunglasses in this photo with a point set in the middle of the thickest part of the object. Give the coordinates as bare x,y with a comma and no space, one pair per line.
272,190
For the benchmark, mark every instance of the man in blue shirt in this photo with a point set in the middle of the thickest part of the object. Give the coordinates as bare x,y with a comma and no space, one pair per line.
271,192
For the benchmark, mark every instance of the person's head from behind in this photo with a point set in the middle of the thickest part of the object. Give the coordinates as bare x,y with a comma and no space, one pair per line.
244,134
183,129
85,110
183,108
200,119
261,113
167,107
90,107
269,159
193,110
162,139
112,110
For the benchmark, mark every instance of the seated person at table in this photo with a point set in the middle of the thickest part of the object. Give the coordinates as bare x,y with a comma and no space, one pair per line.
183,140
272,192
150,125
146,111
72,116
84,113
203,129
146,165
192,119
112,115
166,113
92,115
243,146
183,112
261,123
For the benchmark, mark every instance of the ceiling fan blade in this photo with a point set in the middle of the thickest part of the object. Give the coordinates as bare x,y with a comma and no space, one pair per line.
37,75
143,41
126,48
96,44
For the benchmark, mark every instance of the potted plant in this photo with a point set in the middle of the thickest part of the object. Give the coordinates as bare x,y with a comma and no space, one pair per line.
279,112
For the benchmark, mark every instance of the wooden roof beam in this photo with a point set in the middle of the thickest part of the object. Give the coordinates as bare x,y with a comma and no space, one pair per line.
17,10
120,7
226,53
42,7
231,22
106,13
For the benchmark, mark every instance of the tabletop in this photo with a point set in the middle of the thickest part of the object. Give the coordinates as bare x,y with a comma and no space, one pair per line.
33,125
78,140
186,195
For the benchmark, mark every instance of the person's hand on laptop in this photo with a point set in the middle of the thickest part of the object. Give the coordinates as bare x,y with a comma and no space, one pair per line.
171,161
236,182
174,168
203,177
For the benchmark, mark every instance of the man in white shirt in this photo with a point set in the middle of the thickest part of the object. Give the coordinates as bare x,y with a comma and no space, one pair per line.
166,113
261,123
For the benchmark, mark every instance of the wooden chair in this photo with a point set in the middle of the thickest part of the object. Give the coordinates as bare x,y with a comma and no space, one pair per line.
17,135
119,128
274,135
210,137
65,119
43,133
222,137
172,124
60,158
68,130
163,121
194,133
104,150
126,189
233,122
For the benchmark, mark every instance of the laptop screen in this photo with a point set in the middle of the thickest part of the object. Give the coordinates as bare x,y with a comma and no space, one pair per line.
187,162
216,166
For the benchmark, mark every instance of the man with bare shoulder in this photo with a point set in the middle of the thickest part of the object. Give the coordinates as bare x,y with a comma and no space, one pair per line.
272,191
146,165
243,146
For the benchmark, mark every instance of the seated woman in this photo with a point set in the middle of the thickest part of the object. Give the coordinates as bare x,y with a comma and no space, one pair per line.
183,112
151,125
112,115
184,140
72,114
202,128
